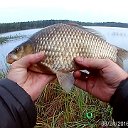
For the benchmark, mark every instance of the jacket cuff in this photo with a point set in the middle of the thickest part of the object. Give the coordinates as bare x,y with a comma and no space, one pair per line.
119,102
23,98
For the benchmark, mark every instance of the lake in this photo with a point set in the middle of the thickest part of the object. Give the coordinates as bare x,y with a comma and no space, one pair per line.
114,35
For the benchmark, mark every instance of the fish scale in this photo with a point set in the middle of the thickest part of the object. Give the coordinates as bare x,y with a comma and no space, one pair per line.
61,43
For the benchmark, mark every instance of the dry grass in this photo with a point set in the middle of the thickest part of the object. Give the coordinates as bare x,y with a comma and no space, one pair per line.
57,109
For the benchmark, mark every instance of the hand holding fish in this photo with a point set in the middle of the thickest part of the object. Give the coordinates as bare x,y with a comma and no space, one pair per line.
104,78
32,82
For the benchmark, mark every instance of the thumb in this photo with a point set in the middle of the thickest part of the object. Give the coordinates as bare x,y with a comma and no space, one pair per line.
28,60
92,63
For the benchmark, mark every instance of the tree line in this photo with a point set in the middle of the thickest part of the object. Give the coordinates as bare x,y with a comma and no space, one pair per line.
8,27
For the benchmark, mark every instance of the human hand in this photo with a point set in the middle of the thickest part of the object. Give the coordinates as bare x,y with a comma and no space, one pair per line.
105,76
33,83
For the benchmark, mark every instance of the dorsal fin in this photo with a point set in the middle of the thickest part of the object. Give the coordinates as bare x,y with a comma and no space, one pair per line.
90,30
75,25
98,34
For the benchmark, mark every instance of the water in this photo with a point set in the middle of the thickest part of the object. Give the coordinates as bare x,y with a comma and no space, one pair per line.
113,35
28,32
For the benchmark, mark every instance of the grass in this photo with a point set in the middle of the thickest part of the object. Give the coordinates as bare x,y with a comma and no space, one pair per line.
78,109
3,72
7,38
3,40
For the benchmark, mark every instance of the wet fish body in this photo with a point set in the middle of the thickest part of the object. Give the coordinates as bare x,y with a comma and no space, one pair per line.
61,43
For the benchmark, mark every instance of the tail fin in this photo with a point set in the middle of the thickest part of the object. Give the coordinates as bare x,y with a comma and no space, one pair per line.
122,55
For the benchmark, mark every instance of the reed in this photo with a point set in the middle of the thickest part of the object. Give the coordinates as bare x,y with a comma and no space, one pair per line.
78,109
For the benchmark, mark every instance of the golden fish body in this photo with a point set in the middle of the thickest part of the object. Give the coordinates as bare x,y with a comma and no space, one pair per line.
61,43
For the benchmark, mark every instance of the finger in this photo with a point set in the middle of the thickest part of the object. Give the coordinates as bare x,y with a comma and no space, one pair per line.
76,74
47,78
30,59
80,75
86,85
92,63
81,84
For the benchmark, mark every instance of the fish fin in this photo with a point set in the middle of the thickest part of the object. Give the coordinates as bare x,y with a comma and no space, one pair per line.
66,80
122,55
120,62
90,30
74,24
98,34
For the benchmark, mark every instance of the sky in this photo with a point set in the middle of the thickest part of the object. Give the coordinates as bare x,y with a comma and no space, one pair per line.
78,10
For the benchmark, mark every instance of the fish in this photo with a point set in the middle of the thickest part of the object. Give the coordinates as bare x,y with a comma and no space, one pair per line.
61,43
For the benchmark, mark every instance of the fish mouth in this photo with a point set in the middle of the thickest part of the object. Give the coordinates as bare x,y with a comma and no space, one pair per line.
10,58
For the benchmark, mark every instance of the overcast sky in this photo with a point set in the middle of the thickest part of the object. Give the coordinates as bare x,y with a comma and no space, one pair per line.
78,10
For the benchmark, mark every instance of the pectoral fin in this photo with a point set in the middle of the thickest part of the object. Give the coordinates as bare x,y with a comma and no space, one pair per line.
66,80
122,55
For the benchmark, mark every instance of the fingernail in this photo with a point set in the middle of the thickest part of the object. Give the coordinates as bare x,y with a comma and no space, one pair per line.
79,59
39,55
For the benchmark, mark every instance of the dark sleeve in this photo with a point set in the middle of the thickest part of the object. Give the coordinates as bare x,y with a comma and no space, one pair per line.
17,110
119,102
